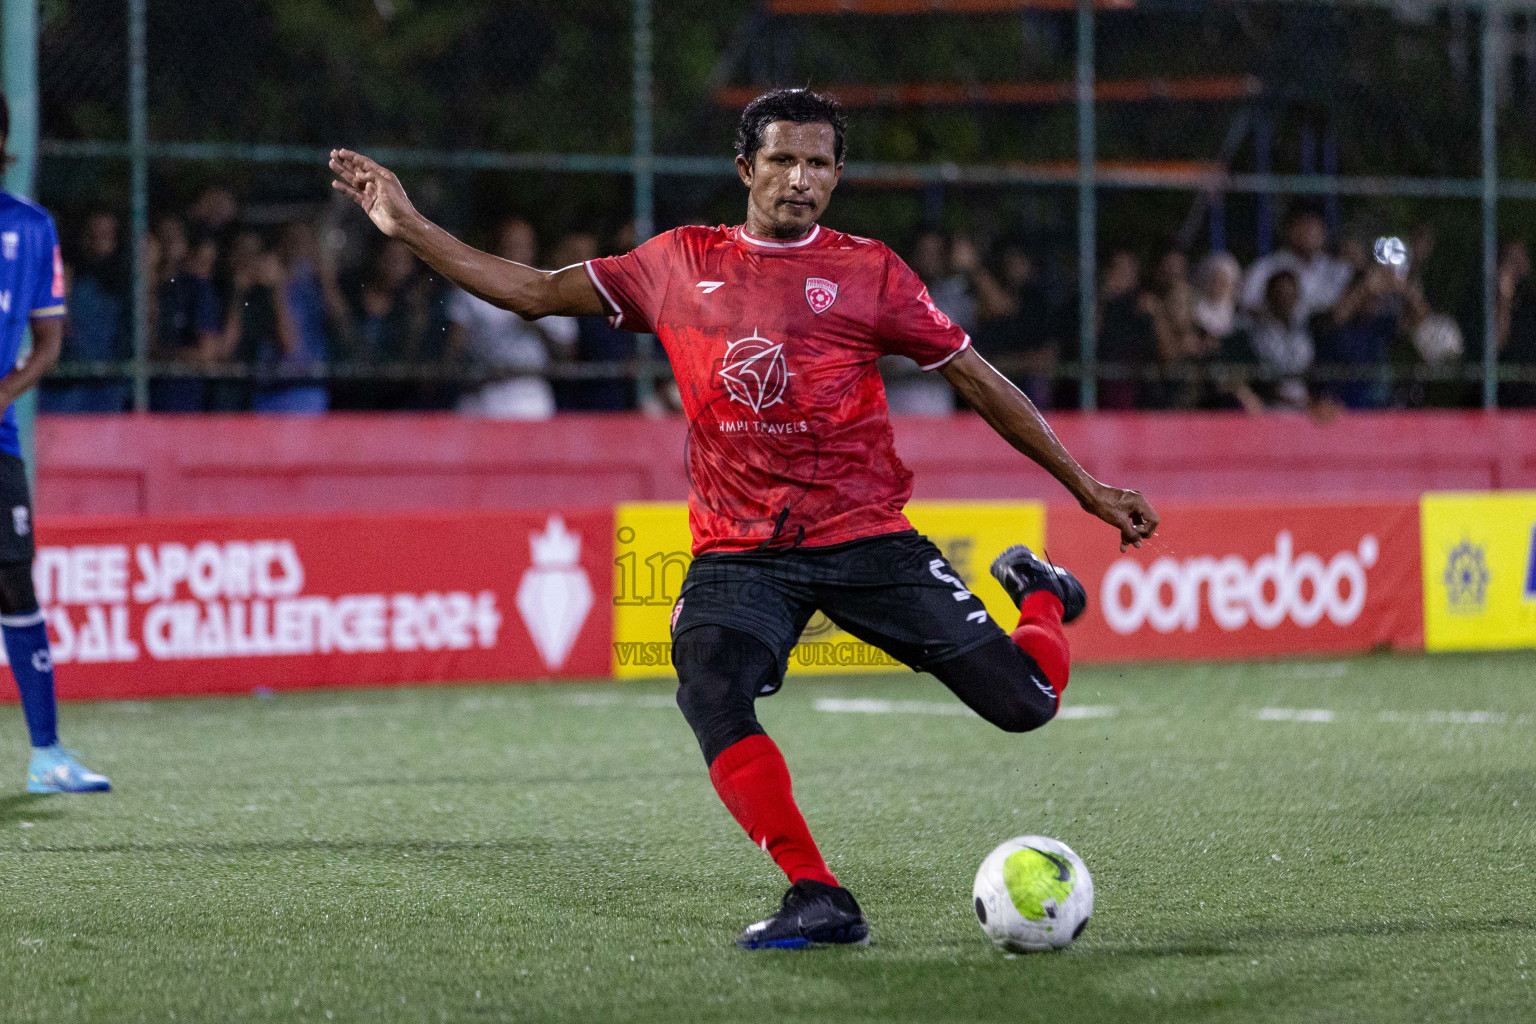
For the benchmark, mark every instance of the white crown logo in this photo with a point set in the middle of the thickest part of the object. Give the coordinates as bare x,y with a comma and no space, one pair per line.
555,595
556,547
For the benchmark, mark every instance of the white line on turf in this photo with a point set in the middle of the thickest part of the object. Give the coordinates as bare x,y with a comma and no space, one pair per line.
609,700
879,706
134,707
1295,715
1450,717
1398,717
875,706
593,700
1313,670
1086,711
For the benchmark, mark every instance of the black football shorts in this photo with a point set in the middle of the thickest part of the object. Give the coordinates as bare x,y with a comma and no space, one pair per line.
895,591
16,542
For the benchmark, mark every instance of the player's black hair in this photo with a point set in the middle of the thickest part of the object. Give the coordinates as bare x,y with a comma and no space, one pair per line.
799,106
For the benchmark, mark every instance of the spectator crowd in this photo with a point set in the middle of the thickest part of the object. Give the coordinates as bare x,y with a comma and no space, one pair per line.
1306,328
265,318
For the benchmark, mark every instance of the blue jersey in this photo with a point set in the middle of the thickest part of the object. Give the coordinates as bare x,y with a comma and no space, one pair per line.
31,286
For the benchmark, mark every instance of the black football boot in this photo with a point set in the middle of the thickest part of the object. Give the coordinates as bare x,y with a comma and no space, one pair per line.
812,914
1022,572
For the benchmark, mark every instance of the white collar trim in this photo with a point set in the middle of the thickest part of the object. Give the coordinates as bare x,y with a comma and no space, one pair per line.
797,243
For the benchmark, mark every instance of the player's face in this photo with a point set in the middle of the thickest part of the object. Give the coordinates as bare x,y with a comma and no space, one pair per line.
790,178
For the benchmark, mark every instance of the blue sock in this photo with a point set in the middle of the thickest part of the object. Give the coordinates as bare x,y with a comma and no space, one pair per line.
26,644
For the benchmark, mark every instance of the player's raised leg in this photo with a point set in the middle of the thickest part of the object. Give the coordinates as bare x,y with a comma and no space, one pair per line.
1048,598
721,671
1015,680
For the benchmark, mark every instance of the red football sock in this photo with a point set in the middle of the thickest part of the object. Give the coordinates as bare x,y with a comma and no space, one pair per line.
752,779
1041,637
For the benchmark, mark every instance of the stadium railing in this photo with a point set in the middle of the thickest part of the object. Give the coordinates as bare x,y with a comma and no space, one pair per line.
659,369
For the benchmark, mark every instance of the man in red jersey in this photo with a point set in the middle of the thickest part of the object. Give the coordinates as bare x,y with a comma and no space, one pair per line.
773,328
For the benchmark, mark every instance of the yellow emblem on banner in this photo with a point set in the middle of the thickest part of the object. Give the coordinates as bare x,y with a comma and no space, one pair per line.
1479,564
651,557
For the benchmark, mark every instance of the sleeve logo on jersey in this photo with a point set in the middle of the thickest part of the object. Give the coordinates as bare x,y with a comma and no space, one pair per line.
58,273
10,244
934,311
820,293
754,371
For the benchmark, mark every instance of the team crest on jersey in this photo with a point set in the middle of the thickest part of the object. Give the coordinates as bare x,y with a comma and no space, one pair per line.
754,371
820,293
10,243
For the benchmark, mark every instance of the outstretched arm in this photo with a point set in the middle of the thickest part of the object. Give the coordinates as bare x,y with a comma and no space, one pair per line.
1010,412
528,292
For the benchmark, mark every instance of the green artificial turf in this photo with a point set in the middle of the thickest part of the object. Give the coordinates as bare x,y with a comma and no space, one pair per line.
556,853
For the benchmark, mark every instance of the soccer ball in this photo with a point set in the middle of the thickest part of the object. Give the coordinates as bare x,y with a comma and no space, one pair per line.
1033,893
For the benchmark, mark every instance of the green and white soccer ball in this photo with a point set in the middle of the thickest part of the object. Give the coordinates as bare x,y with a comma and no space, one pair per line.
1033,893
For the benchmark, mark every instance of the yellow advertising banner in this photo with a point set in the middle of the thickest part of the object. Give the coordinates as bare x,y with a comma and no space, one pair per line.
1479,557
651,556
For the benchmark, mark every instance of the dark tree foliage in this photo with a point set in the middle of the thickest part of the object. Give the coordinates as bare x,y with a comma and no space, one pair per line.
539,75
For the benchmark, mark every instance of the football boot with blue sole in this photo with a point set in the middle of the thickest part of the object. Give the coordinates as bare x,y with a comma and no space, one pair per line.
812,914
55,770
1022,572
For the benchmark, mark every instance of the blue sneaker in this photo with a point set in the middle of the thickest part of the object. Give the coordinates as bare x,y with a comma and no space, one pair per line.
55,770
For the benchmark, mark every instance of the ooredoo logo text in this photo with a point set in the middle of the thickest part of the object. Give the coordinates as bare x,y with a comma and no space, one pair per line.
1172,594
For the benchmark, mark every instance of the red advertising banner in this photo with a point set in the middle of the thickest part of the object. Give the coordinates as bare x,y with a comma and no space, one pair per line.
1246,581
146,607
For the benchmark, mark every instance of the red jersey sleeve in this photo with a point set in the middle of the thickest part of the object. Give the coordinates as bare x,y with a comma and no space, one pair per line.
910,324
633,285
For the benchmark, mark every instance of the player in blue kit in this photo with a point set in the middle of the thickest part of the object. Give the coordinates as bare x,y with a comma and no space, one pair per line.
31,291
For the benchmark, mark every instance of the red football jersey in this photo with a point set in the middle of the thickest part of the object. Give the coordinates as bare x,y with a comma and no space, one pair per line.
774,346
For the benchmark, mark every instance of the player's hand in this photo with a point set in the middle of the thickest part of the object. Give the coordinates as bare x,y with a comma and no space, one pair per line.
374,188
1126,511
